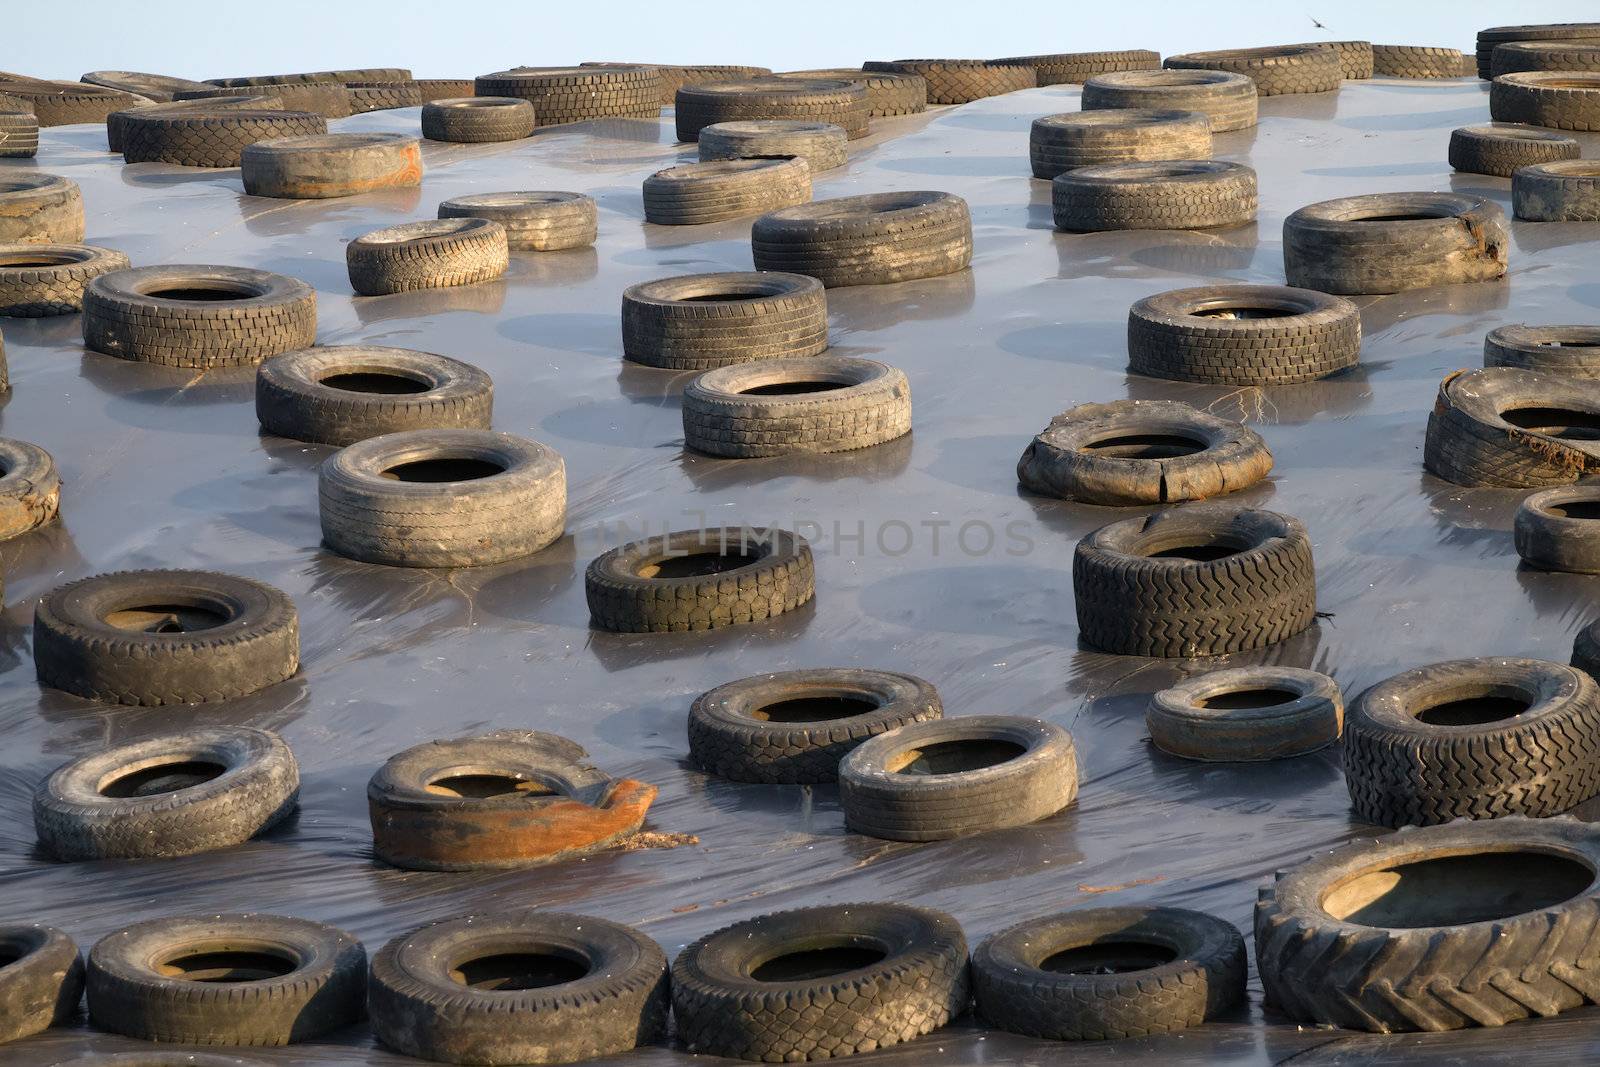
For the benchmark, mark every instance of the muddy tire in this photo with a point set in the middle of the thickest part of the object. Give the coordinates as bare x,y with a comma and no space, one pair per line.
1198,580
1555,99
1409,61
1058,143
874,239
1132,452
841,103
194,138
329,101
40,208
1356,245
961,81
165,637
304,979
1247,715
427,255
1471,440
1499,148
42,982
477,119
1163,969
677,324
698,193
619,1001
338,164
1160,195
699,580
560,95
30,488
442,498
19,135
1276,71
887,94
821,144
798,406
533,221
1075,68
1243,335
1229,101
1567,190
1565,351
1554,530
919,984
40,280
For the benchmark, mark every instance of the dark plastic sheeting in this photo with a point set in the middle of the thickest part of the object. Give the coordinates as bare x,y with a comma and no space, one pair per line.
168,469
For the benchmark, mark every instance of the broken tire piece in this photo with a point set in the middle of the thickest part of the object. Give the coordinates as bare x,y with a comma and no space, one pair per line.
40,280
1278,70
40,208
1513,429
42,981
961,81
874,239
805,405
505,799
427,255
533,221
1160,195
1247,715
30,488
1499,148
1142,452
337,164
1058,143
1389,242
701,321
1567,190
472,120
1555,529
821,144
1565,351
698,193
1229,101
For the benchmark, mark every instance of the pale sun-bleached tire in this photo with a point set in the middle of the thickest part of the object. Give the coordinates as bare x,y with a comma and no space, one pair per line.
427,255
697,193
822,145
873,239
533,221
1058,143
776,407
701,321
1228,100
38,280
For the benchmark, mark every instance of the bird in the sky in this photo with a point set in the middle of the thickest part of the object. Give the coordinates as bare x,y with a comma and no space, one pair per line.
1315,23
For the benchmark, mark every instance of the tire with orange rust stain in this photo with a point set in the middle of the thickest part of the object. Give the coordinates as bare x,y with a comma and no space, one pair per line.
329,165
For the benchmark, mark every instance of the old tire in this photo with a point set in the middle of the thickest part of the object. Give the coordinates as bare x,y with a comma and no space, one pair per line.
1229,101
1198,580
842,103
1160,195
1554,529
30,488
196,138
1390,242
338,164
341,394
1355,57
39,280
171,795
42,982
1554,32
249,980
66,103
1411,61
1567,190
561,95
197,316
1499,148
701,321
328,100
478,119
383,96
1058,143
442,498
159,87
1513,429
874,239
1555,99
609,994
41,208
961,81
1516,57
699,580
427,255
118,122
1132,452
435,89
887,94
1113,973
1247,715
533,221
1565,351
917,983
797,406
821,144
1075,68
698,193
1276,71
19,134
1243,335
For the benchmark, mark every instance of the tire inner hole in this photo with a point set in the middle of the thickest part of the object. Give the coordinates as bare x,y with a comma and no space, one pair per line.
1453,890
814,709
792,388
374,382
519,970
10,955
162,778
479,783
1109,957
1556,422
1493,704
245,963
1145,446
165,618
33,259
1575,509
1242,699
1201,553
721,298
697,564
1417,217
953,757
200,292
443,470
1243,313
813,963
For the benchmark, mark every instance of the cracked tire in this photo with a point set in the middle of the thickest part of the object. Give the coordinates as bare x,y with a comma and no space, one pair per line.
1565,351
1075,68
1554,99
1499,148
42,982
1124,972
1567,190
1472,441
697,193
821,144
961,81
874,239
1289,712
30,488
172,795
1160,195
841,103
194,138
477,119
1197,580
701,321
806,405
1276,71
533,221
427,255
41,280
1553,529
919,983
1229,101
41,208
1243,335
1356,246
1058,143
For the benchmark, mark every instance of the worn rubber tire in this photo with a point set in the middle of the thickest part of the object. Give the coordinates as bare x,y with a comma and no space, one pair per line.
338,164
1031,773
1586,650
961,81
1187,335
158,87
921,984
197,138
1546,33
873,239
697,193
1565,351
627,595
42,208
1555,99
42,982
1058,143
317,77
1203,978
1355,57
75,649
576,94
842,103
467,522
328,100
675,324
427,255
64,103
751,409
1277,71
1132,452
118,122
1352,246
1132,603
269,313
1530,957
294,398
1517,57
1470,442
533,221
1410,61
19,135
40,280
325,988
30,488
420,1008
1228,100
1554,530
675,77
1499,148
1183,722
1567,190
383,96
477,119
887,94
434,89
821,144
76,818
1156,195
1075,68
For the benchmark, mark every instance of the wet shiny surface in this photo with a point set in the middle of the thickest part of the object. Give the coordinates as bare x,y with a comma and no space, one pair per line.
929,560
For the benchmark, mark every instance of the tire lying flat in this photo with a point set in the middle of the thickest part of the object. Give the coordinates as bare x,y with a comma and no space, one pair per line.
807,405
874,239
1074,68
1567,190
30,488
1472,441
961,81
1058,143
41,208
1229,101
1554,99
1390,242
427,255
1154,195
1565,351
337,164
543,221
822,145
1247,715
1278,70
40,280
701,321
841,103
1499,148
697,193
197,138
478,119
1554,529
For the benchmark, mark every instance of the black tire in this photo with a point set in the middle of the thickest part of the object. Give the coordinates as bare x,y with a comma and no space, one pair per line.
40,280
19,134
341,394
948,778
961,81
1157,586
799,406
42,981
1554,529
196,138
1243,335
1229,101
701,321
1586,650
1276,71
674,77
1518,57
821,144
727,577
1409,61
1389,242
469,498
609,995
1499,148
1555,99
435,89
317,77
1355,57
533,221
221,317
118,122
172,795
1114,973
873,239
338,164
1565,351
1247,715
427,255
1443,907
159,87
697,193
576,94
1471,441
842,103
1567,190
69,103
250,980
328,100
795,726
1132,452
475,119
40,208
165,637
1075,68
30,487
887,94
1158,195
383,96
918,983
1565,32
1058,143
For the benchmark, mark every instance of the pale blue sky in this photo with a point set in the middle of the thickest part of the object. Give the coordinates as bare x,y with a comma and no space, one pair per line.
214,38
